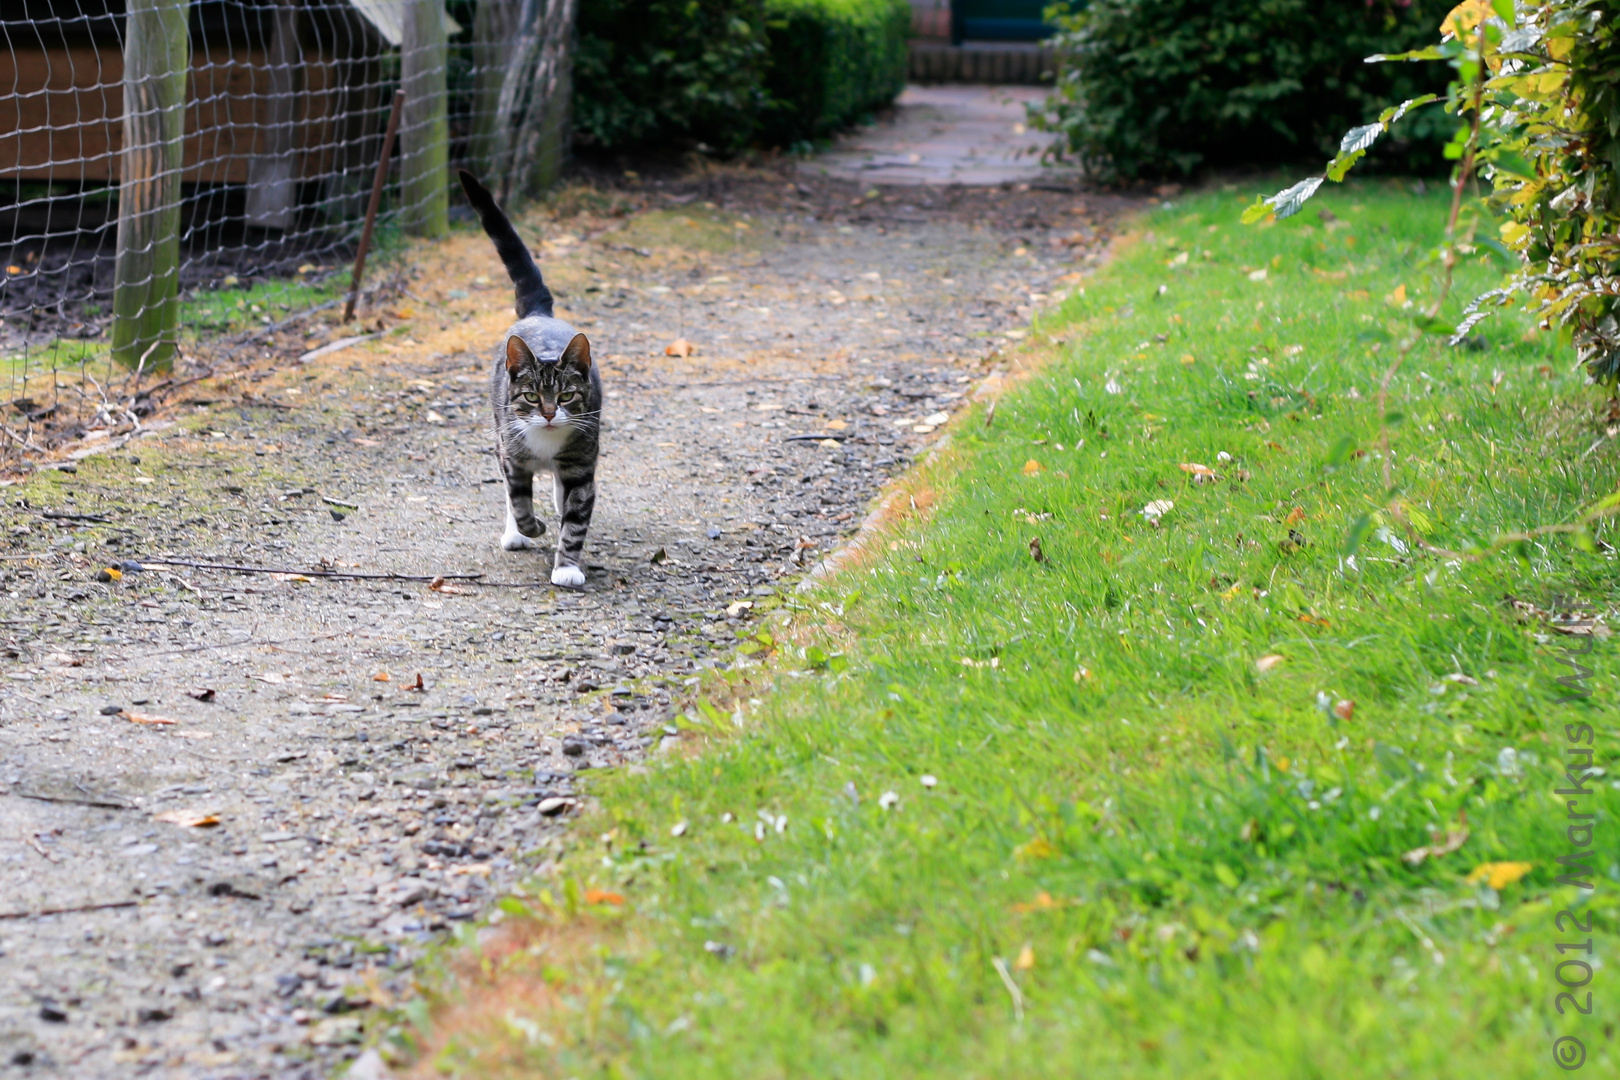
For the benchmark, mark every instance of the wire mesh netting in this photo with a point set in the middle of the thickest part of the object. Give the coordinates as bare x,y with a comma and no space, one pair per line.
183,185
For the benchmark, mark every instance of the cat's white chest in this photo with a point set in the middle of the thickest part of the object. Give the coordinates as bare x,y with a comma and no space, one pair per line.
545,443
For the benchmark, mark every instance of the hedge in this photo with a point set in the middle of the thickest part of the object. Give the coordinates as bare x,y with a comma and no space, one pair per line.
732,73
1156,87
832,61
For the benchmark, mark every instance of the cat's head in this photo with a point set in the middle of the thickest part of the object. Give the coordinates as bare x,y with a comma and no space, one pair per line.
550,391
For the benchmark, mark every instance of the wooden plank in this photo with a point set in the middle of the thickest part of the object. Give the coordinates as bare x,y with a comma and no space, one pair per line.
146,277
64,118
272,195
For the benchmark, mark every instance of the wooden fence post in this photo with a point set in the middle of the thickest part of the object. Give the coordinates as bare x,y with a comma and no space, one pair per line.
146,277
425,163
272,195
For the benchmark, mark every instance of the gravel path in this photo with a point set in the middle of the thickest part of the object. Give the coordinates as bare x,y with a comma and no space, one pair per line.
383,757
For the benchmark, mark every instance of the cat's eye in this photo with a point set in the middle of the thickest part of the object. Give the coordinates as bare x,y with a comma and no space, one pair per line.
532,398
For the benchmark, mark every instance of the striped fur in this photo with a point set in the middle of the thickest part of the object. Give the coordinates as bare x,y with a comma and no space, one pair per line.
546,400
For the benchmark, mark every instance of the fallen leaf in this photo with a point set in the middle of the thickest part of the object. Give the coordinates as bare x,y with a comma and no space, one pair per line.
1043,902
1315,620
1026,958
1344,709
1031,467
201,693
146,718
478,869
1295,516
1499,875
1156,509
1035,551
1398,297
659,556
419,687
680,347
737,607
1201,474
365,442
381,676
189,819
1267,662
599,896
1438,845
439,585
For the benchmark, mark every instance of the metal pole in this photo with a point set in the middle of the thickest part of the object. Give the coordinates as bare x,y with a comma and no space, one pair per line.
371,208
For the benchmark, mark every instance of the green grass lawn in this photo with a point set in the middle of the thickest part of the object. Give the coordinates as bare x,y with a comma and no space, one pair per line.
1140,809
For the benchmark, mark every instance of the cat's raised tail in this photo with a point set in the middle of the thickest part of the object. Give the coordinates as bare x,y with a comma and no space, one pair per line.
533,298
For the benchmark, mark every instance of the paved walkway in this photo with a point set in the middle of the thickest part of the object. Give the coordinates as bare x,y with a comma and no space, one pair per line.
974,135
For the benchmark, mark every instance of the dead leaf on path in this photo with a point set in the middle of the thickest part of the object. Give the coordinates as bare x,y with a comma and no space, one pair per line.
146,718
419,687
381,676
272,678
600,896
439,585
190,819
192,734
365,442
659,556
201,693
1267,662
680,347
737,607
478,869
288,577
836,425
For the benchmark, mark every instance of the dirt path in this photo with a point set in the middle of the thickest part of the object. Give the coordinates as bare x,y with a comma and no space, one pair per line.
357,816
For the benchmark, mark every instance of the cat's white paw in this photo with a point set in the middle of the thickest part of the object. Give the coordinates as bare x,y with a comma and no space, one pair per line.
569,577
512,540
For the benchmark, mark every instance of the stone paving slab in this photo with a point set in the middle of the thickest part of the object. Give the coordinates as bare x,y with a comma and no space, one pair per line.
970,135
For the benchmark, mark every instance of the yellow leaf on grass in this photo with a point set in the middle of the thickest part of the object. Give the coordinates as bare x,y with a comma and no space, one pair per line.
1026,958
1031,467
1043,902
600,896
1038,848
1267,662
1499,875
1398,297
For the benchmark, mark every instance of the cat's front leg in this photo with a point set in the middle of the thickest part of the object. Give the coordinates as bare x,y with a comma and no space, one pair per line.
522,527
576,497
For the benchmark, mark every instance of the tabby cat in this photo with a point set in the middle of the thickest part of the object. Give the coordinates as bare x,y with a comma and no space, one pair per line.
546,397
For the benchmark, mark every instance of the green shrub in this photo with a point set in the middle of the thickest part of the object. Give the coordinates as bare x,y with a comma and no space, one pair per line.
1156,87
730,73
670,71
832,61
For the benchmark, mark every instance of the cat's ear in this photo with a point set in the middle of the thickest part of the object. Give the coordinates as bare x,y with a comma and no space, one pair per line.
517,355
578,353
